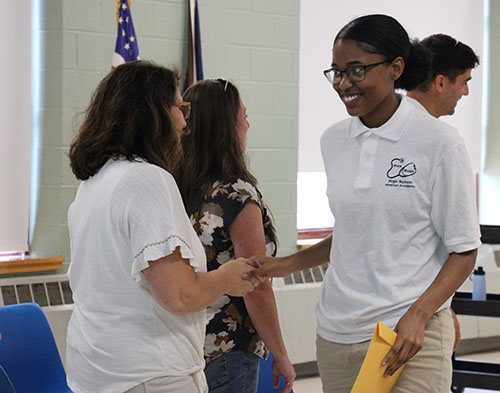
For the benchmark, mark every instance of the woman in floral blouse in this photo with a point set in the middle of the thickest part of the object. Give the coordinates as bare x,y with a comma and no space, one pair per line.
231,220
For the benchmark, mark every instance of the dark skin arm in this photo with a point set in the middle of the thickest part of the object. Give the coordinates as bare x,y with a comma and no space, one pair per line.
314,255
411,326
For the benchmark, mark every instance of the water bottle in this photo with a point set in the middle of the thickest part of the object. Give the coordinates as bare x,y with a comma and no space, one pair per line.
479,284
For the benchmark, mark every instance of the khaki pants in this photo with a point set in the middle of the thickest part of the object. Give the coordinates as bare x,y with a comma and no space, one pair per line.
428,372
195,383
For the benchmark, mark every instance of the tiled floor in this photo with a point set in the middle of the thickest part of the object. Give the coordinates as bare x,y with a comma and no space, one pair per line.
313,385
308,385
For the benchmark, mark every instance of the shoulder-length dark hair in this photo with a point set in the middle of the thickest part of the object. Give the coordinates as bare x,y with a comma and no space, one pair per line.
128,116
382,34
211,146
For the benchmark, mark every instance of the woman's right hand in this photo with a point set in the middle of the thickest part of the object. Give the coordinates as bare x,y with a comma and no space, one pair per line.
232,276
270,266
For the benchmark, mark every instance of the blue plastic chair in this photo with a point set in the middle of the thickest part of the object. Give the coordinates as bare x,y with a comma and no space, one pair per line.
5,384
28,352
265,384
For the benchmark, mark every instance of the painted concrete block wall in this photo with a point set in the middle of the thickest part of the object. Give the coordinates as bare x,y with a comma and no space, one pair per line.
254,43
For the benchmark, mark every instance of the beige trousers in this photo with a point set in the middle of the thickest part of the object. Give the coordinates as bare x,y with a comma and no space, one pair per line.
195,383
429,371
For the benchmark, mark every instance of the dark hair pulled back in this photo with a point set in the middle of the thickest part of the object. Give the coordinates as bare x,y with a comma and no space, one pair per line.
384,35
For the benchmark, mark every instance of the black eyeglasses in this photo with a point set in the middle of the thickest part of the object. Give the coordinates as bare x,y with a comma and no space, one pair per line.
354,73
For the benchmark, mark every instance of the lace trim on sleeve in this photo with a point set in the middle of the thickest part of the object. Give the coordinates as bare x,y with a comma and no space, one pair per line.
161,242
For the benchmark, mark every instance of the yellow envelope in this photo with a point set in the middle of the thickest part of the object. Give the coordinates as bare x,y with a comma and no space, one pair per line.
371,376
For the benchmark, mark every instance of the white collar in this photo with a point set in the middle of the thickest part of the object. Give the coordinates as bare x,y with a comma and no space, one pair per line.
391,129
417,104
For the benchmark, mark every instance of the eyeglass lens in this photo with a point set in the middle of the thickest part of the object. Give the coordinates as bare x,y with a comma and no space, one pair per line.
354,74
186,110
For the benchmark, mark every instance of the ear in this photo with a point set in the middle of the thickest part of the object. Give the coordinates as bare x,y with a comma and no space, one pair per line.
440,82
397,67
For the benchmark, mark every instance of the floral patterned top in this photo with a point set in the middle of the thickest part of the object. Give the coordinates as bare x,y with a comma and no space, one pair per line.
228,324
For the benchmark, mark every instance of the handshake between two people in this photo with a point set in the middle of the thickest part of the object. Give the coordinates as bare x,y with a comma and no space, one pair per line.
243,275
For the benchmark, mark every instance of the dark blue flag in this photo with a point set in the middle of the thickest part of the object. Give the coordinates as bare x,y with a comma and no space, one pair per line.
126,48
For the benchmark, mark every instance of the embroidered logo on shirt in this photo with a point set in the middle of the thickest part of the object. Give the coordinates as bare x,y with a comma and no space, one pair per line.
402,171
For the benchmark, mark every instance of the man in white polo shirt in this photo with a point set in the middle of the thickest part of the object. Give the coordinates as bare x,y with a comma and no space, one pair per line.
452,66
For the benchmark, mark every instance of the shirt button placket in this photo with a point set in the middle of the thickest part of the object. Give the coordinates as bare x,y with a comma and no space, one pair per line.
366,160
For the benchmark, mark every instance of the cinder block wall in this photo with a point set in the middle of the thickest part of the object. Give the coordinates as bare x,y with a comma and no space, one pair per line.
254,43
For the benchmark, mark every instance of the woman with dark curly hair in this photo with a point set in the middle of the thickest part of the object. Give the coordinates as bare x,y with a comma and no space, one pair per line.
138,270
231,220
406,229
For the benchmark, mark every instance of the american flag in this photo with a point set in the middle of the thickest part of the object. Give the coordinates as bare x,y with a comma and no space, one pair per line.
126,48
194,71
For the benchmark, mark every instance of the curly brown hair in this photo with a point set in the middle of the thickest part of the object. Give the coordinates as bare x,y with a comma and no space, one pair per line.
128,116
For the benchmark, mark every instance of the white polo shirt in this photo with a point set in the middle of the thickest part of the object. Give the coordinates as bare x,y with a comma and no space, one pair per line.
403,200
127,214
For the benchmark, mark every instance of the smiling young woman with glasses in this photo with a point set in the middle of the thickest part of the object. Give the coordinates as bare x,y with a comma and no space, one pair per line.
400,187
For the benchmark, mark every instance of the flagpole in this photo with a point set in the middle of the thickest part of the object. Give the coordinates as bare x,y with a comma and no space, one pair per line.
194,69
192,21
